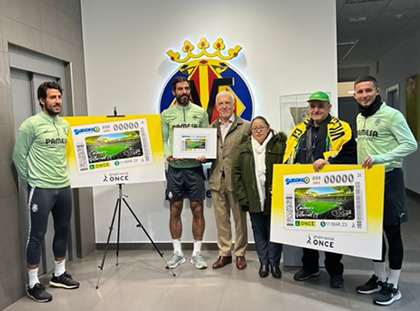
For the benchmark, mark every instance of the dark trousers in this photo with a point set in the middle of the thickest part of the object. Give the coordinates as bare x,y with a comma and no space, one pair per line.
332,262
268,252
396,248
42,202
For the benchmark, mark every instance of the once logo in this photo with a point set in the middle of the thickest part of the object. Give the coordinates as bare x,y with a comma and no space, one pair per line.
323,243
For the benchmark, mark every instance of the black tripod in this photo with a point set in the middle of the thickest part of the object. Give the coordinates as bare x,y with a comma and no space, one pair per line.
139,225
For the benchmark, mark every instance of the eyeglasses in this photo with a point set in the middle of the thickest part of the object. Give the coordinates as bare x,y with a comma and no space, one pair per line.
259,128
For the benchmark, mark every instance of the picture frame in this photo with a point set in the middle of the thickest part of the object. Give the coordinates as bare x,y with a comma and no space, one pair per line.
412,104
189,143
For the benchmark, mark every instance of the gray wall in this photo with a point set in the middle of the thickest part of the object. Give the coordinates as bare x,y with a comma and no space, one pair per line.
400,62
51,27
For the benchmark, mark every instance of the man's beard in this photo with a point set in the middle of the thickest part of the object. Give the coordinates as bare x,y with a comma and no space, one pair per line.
51,111
183,99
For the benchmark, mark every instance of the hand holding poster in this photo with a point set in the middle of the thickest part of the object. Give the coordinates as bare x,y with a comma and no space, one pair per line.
338,209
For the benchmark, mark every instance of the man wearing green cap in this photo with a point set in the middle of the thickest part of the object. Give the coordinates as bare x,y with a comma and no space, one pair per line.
321,139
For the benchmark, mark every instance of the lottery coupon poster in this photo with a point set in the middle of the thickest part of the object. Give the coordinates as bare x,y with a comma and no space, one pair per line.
105,150
338,209
188,143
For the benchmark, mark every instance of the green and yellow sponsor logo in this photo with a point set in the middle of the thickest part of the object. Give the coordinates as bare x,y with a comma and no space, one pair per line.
100,165
305,223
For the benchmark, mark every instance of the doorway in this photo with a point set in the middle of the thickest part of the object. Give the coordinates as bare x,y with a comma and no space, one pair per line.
28,70
392,96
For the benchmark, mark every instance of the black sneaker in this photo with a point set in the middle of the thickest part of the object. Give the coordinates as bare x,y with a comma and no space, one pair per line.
387,295
64,281
38,293
371,286
337,281
303,275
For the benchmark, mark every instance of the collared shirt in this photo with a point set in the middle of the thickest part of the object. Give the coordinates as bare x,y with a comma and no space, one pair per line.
224,127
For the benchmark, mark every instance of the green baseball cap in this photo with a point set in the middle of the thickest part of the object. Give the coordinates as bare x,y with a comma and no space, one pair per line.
320,96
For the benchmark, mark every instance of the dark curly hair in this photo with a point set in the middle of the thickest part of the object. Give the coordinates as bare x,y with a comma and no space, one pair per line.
42,89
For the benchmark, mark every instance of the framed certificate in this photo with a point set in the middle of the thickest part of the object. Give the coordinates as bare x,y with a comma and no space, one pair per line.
190,143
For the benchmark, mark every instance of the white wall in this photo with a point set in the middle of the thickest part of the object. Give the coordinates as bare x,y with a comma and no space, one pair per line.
289,47
399,63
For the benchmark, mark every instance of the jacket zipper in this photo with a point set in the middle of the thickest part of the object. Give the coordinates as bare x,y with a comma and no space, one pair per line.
58,132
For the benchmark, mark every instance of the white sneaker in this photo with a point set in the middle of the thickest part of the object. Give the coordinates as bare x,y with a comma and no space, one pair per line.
175,260
198,261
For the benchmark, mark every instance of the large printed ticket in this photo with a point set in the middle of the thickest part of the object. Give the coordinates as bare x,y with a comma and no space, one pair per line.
111,145
330,201
104,150
338,209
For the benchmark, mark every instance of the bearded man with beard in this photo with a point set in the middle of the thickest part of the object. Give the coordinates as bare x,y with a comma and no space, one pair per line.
185,176
40,159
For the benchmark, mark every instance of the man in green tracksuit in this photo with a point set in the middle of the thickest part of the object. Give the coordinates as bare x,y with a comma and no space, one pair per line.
40,159
383,137
185,176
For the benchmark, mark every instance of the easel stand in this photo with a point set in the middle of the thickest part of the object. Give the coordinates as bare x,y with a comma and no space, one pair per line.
117,209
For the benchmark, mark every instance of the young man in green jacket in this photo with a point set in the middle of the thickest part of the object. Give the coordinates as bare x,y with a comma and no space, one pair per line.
383,137
40,159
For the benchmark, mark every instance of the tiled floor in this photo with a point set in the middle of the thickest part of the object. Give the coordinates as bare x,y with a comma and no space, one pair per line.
140,282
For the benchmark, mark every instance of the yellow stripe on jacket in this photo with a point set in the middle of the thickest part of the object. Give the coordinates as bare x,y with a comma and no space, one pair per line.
339,132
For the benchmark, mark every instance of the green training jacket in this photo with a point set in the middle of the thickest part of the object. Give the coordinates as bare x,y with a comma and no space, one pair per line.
177,116
385,137
40,151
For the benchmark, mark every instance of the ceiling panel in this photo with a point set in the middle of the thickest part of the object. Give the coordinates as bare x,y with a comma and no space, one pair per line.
374,25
